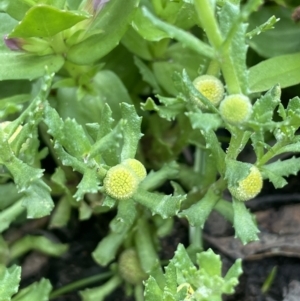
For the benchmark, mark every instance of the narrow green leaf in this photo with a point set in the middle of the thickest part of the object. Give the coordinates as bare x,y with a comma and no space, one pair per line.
8,215
244,223
106,250
112,21
282,70
204,121
269,24
125,217
9,282
61,214
37,200
131,125
147,75
46,21
229,19
164,205
101,292
156,178
89,184
152,290
285,31
145,246
25,66
187,39
38,243
38,291
74,139
198,213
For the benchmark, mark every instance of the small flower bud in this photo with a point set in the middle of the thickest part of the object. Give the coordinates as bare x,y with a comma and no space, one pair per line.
249,187
130,268
120,182
210,87
236,109
137,167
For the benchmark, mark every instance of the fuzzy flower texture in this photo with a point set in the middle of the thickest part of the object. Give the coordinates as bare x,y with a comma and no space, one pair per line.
122,180
249,187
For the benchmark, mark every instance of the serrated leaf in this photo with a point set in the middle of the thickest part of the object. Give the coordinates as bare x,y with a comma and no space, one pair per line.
236,171
152,290
38,291
204,121
74,139
210,262
9,282
164,205
168,112
37,200
171,278
235,270
184,265
131,125
187,39
269,24
198,213
263,108
147,75
46,21
285,31
243,222
69,160
88,184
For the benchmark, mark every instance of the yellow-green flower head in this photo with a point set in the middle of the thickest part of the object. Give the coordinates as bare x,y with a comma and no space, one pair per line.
211,87
120,182
130,268
236,109
249,187
137,167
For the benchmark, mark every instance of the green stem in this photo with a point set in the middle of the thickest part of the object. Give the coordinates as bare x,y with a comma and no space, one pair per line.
10,214
238,140
80,284
209,23
213,68
139,292
195,237
270,154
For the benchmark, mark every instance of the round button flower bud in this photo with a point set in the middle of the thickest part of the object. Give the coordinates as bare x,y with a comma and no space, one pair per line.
137,167
236,109
249,187
120,182
130,268
210,87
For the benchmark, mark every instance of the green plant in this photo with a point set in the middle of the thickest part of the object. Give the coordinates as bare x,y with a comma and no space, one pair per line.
91,85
